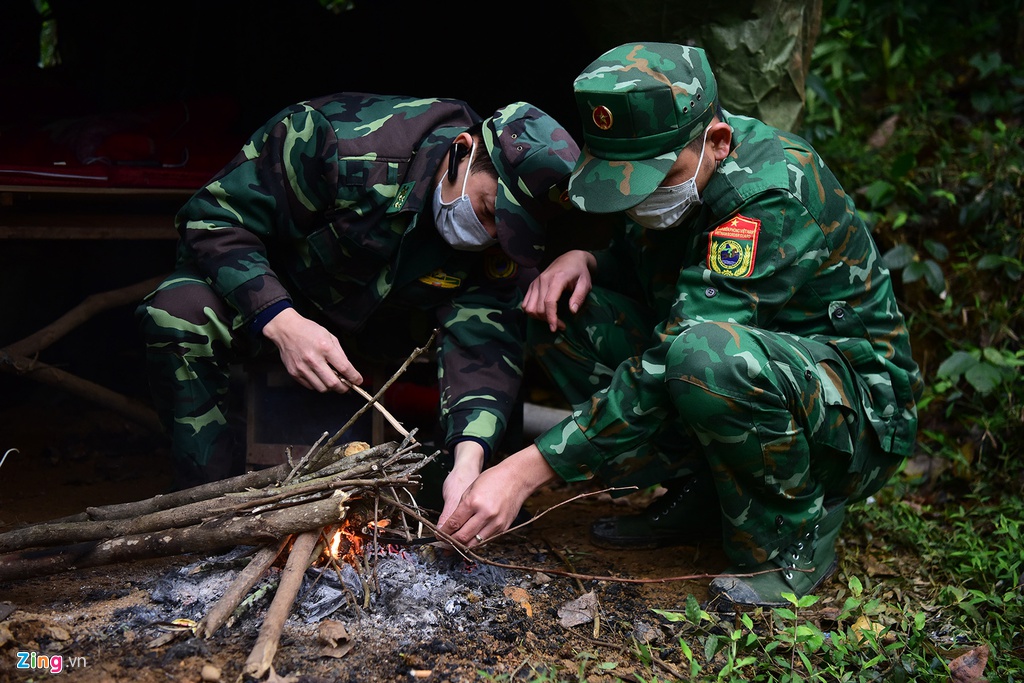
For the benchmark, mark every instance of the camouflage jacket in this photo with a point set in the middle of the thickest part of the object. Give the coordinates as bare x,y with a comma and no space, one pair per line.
777,245
328,206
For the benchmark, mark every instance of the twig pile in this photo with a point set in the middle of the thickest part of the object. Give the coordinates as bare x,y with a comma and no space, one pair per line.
290,505
271,509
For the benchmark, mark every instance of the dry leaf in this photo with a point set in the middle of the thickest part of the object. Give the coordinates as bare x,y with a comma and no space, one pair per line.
874,567
969,667
337,652
862,625
880,138
163,639
335,638
521,597
331,632
579,611
5,635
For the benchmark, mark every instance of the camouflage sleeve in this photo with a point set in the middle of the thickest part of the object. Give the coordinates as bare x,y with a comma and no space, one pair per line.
282,180
481,361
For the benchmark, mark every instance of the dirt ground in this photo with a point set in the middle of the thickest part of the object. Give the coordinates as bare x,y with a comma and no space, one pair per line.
73,455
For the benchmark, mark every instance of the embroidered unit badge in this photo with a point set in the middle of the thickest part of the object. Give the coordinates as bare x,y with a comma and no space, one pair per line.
732,246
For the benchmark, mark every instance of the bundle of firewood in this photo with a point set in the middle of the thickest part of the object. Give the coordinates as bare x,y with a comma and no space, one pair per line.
288,506
256,508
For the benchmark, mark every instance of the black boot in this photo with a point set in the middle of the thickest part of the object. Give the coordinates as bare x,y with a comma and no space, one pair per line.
686,514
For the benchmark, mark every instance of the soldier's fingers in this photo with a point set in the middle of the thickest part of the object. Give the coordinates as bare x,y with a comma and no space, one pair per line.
537,294
579,294
340,367
551,314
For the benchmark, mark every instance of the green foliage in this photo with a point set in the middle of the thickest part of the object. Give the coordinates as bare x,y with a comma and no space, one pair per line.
917,107
337,6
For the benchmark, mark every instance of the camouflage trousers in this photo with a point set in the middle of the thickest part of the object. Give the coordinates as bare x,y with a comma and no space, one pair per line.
772,419
192,339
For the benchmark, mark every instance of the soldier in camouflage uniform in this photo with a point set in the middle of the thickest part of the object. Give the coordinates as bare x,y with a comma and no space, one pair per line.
371,218
740,343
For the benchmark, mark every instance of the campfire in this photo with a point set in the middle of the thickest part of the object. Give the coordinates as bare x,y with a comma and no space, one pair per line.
325,511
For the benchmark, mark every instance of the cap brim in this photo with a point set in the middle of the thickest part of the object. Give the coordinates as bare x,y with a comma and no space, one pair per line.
519,233
606,186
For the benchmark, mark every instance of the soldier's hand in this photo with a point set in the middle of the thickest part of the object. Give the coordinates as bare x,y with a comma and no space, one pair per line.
311,354
469,461
570,271
491,503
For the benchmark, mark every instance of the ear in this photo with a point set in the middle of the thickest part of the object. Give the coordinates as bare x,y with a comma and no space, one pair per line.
720,137
464,138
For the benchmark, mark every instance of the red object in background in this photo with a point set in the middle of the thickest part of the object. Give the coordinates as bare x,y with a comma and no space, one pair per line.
178,145
412,402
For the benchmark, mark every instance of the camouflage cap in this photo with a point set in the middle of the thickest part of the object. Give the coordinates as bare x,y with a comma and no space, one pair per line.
640,104
534,156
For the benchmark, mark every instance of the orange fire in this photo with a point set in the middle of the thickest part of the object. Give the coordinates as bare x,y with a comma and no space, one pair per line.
347,540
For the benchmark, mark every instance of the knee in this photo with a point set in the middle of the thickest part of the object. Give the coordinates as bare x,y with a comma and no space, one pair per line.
708,350
715,362
181,316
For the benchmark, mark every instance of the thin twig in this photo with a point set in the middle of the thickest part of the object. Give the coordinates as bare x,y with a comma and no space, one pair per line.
540,514
373,401
472,556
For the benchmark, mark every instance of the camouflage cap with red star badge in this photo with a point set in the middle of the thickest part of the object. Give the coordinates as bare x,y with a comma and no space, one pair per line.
640,105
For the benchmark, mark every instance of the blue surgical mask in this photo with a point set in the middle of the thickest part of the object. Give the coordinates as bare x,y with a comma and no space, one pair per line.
456,220
667,207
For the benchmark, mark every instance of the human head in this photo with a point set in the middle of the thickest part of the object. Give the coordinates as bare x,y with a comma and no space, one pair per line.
533,156
641,104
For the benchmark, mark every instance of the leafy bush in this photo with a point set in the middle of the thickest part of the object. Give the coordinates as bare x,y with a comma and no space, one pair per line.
917,106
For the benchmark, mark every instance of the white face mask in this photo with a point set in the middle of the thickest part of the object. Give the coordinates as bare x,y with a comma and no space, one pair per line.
666,207
457,222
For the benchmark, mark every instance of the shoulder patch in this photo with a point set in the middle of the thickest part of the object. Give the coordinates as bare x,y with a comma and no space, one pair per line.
441,279
403,194
498,266
732,246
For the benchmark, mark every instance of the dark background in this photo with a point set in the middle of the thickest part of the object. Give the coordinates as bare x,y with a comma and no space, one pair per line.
266,54
253,57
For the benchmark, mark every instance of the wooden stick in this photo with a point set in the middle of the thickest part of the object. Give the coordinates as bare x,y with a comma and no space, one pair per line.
354,472
250,530
135,411
392,420
239,588
19,357
262,656
166,501
373,401
93,304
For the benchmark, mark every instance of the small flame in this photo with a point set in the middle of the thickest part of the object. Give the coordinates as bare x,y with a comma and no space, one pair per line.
335,543
346,541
